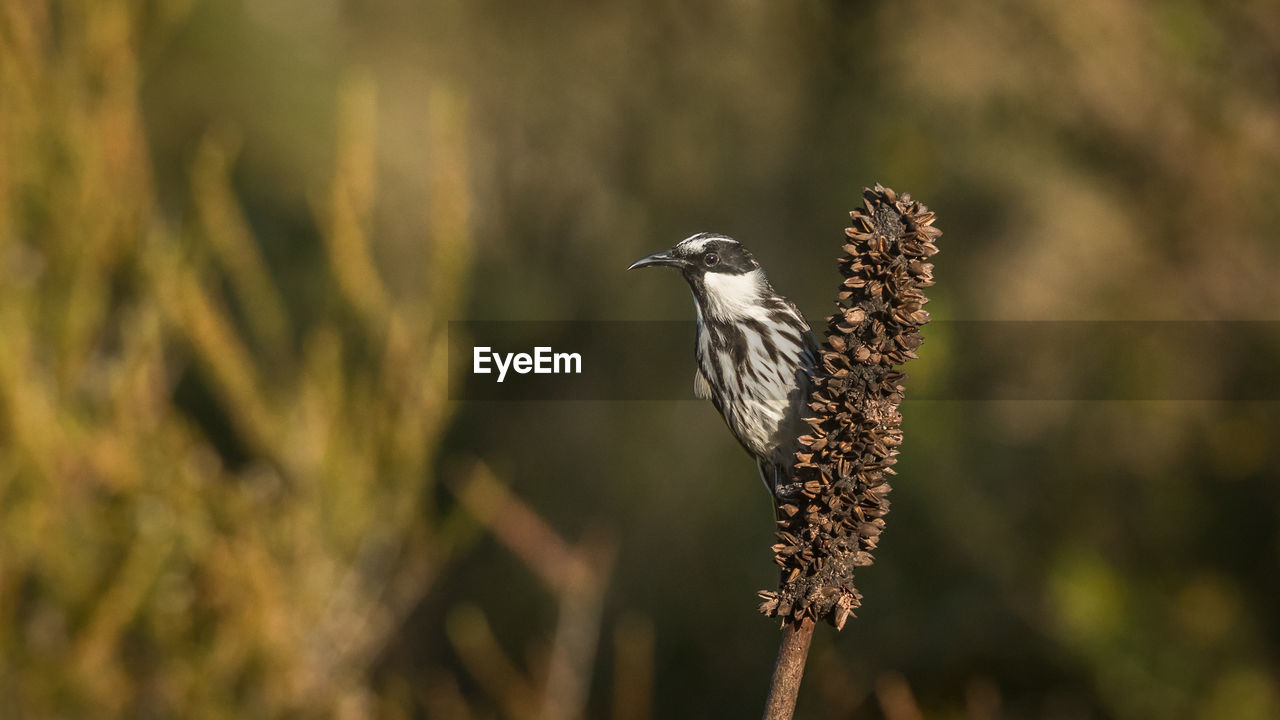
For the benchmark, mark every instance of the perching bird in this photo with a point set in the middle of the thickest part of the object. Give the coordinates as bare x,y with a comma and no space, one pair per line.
755,351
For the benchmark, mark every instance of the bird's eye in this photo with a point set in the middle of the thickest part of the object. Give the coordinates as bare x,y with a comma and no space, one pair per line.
710,259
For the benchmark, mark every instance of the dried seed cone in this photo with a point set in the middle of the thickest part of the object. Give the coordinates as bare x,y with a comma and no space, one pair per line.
830,516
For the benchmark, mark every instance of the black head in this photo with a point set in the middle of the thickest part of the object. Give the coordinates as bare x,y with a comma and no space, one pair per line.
704,253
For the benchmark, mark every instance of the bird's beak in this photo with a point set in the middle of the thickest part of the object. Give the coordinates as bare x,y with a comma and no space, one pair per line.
662,257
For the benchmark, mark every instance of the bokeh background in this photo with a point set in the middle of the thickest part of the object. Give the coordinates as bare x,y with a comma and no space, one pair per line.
232,233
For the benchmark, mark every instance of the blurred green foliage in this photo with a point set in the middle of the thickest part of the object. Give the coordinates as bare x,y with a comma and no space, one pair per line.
232,235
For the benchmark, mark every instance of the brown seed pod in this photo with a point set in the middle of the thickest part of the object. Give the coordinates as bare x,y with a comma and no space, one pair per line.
832,511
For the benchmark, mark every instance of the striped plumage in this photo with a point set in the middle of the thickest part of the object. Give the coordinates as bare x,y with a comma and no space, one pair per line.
754,350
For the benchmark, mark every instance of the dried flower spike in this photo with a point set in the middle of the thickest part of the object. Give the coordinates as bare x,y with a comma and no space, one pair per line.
831,513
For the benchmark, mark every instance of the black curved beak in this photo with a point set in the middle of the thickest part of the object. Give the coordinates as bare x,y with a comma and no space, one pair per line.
662,257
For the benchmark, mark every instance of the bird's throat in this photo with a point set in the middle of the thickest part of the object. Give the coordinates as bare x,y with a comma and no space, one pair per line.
727,296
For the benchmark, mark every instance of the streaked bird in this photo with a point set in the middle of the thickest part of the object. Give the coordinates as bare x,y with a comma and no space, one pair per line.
755,352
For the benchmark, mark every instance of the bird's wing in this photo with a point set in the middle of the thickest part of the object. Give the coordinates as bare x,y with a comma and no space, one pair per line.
810,338
701,388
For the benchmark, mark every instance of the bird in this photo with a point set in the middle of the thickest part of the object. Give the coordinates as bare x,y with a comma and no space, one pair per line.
754,350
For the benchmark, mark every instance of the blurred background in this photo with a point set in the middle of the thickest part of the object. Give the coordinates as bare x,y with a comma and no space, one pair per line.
232,234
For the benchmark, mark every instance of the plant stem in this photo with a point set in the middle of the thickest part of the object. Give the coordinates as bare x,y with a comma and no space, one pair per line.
781,703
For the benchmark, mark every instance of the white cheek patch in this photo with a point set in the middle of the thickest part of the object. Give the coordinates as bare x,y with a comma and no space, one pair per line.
733,296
